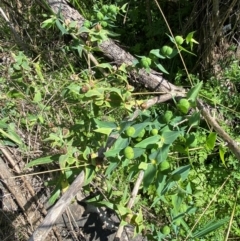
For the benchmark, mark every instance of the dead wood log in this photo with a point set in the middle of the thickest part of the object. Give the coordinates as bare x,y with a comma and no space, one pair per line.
42,231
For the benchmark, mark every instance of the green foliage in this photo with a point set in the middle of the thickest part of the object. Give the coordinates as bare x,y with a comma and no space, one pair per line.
184,162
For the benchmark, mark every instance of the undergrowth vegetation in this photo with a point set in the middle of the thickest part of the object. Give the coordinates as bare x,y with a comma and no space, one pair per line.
63,113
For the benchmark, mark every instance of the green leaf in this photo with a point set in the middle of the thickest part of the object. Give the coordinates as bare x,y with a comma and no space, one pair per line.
168,186
61,28
211,140
99,102
48,23
71,160
156,52
25,65
149,175
185,50
63,160
55,195
177,201
143,166
86,153
12,135
41,161
194,119
139,127
190,40
193,93
222,151
16,66
138,152
106,204
73,24
112,152
80,49
3,124
139,219
104,66
37,97
106,131
95,92
89,174
170,136
117,147
105,124
210,227
123,210
83,30
160,184
162,153
183,171
111,167
148,141
74,88
123,8
116,90
161,68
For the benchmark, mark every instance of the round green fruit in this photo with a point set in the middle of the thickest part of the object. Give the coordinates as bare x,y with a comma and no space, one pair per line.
166,50
166,230
100,16
167,116
176,177
129,152
183,105
179,40
104,9
113,9
154,162
154,132
104,24
130,131
141,133
146,62
87,24
165,165
138,139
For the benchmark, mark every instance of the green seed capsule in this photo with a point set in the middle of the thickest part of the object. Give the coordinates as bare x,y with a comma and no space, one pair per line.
183,105
130,131
129,152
